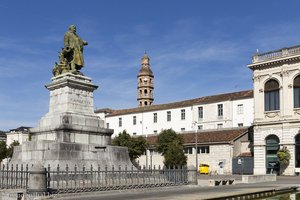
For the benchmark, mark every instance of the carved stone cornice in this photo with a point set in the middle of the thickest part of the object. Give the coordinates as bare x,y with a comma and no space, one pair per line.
297,111
271,114
273,63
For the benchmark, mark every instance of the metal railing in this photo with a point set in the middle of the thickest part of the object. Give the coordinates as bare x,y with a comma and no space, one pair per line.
101,179
13,177
276,54
86,179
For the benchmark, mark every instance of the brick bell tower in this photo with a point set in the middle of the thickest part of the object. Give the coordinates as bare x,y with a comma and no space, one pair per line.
145,83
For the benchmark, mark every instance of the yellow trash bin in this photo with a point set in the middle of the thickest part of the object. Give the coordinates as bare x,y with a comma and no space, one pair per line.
203,169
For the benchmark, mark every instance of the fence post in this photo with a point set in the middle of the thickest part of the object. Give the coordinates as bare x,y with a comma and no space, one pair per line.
192,175
37,183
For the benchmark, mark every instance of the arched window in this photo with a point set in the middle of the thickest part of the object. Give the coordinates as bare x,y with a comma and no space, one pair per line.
296,85
271,95
272,147
297,150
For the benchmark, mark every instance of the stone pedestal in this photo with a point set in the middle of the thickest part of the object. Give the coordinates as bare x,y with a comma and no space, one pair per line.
71,133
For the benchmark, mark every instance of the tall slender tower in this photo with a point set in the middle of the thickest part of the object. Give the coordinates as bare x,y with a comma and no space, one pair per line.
145,83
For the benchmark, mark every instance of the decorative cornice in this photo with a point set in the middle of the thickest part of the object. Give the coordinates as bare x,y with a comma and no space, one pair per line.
271,114
270,63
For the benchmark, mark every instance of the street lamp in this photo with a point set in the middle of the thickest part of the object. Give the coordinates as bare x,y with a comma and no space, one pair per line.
196,143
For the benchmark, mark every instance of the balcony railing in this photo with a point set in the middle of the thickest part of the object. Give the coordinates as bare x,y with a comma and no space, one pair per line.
285,52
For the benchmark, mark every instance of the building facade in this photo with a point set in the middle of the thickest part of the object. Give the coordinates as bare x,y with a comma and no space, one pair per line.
221,123
215,148
210,112
276,77
20,134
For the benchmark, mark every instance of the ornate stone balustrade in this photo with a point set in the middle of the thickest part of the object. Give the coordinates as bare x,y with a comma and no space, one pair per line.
281,53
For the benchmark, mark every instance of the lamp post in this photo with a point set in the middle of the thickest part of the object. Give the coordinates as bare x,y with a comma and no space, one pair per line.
196,144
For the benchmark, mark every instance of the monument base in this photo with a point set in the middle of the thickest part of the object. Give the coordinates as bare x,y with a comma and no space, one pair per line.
51,153
71,133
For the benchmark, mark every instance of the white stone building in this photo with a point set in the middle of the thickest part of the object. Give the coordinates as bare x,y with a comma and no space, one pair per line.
223,119
215,148
20,134
211,112
276,78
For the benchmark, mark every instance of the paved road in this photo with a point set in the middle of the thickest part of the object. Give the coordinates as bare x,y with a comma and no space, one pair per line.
184,192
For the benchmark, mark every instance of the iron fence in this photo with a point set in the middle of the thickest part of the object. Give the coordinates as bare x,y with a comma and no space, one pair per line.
85,179
14,176
101,179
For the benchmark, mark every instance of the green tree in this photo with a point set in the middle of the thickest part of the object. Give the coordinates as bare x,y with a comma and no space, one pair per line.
170,144
10,149
174,155
3,150
284,157
136,145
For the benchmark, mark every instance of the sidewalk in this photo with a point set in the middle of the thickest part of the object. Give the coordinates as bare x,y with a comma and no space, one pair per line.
189,192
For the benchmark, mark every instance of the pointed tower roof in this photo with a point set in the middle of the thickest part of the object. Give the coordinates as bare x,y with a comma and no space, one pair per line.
145,66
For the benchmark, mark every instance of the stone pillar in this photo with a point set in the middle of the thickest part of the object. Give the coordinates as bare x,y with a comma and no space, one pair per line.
37,183
192,175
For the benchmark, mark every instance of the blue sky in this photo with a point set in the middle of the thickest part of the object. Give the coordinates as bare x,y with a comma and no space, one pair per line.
197,48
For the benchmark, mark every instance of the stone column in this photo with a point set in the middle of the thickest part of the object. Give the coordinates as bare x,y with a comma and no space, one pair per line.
37,183
192,175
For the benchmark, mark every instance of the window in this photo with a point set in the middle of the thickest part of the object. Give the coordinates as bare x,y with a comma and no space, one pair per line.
271,95
168,116
183,114
155,131
182,129
107,125
188,150
154,117
220,110
203,150
134,120
240,109
200,113
200,127
219,126
240,124
120,121
153,152
297,92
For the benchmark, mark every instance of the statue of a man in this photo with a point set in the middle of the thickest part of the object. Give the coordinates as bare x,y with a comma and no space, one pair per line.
74,44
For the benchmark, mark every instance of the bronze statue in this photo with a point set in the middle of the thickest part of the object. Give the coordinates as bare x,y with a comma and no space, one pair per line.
71,56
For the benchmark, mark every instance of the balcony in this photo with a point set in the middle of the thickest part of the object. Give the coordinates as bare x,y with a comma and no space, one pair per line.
281,53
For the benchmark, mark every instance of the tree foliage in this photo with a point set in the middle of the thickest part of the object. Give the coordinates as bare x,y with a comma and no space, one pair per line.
10,149
165,138
3,150
170,144
136,145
